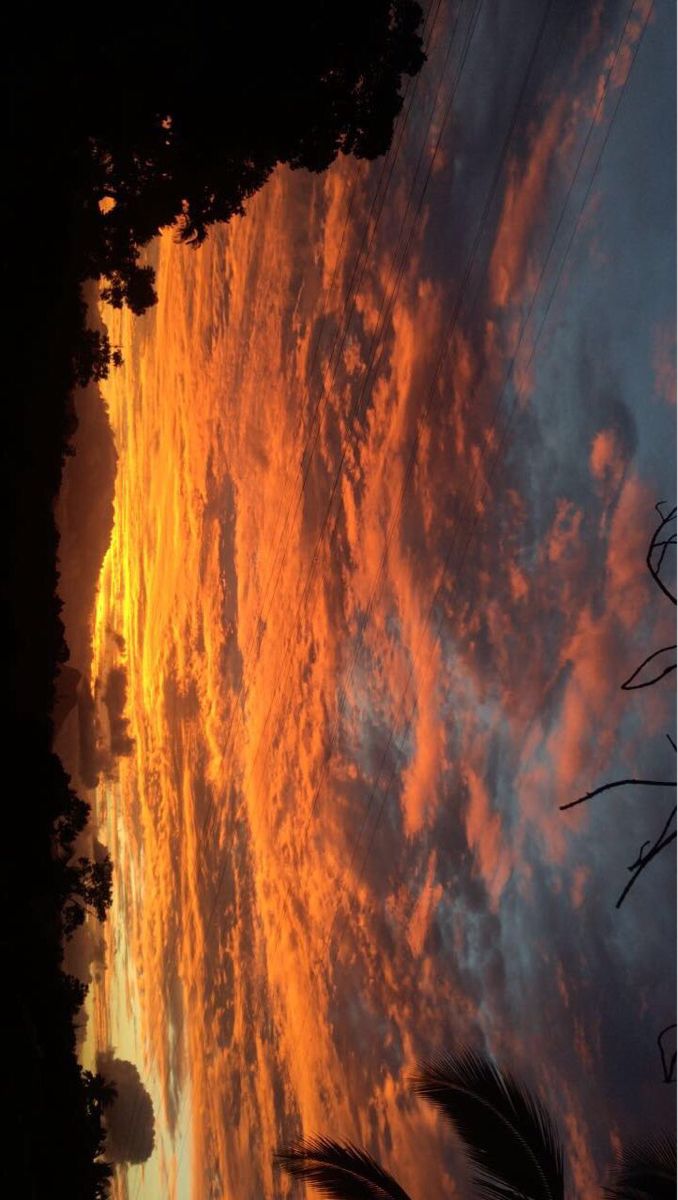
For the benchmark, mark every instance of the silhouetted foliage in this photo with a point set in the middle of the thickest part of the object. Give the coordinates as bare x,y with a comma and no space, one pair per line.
646,1171
131,285
183,128
93,356
339,1169
87,97
88,886
75,991
507,1133
71,821
130,1120
508,1137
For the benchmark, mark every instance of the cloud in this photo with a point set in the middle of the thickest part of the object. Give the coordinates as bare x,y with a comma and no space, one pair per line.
114,699
664,363
372,637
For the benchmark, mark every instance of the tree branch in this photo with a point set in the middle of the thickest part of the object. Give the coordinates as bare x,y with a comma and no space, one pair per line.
630,686
669,1071
607,787
655,544
643,860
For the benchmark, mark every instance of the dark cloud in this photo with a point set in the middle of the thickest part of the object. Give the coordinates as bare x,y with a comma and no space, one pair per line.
115,699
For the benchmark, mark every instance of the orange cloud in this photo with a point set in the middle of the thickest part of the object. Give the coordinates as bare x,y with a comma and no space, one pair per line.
523,205
664,364
287,674
606,459
485,837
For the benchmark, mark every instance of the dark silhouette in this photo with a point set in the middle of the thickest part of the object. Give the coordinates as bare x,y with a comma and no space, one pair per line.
115,125
664,660
130,1121
508,1135
88,886
93,357
646,1171
115,699
655,667
164,126
509,1139
662,539
339,1169
71,821
667,1052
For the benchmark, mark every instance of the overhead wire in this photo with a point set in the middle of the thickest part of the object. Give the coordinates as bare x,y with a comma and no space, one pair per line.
514,358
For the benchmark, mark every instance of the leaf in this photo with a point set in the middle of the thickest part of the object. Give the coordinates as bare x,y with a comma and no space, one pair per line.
508,1134
339,1170
646,1171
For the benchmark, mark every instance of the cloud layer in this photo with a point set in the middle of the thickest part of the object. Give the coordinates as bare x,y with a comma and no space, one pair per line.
378,564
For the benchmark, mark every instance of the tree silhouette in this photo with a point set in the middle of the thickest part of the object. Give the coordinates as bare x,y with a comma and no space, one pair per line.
71,821
509,1138
88,886
339,1170
93,356
131,285
101,1092
646,1171
130,1120
508,1135
75,992
182,126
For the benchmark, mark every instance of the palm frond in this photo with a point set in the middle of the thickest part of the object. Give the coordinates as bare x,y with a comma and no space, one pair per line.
339,1170
508,1135
646,1171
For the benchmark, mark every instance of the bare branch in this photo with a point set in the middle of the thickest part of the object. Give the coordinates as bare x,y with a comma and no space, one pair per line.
665,545
655,543
668,1068
643,860
630,686
617,783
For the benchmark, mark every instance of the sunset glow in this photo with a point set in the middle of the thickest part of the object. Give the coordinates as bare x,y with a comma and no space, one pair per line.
383,497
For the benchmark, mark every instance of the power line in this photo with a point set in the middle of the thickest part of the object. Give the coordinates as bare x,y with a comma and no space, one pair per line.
437,9
523,330
511,371
359,266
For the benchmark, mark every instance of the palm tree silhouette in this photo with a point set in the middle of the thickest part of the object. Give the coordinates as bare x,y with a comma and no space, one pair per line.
512,1144
646,1171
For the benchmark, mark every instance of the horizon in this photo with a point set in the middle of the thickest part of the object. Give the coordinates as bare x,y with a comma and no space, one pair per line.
388,453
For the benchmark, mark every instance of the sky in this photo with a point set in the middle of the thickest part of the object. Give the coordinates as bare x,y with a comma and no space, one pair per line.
389,448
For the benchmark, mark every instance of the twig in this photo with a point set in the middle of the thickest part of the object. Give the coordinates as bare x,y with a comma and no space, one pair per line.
630,686
617,784
655,544
643,860
669,1071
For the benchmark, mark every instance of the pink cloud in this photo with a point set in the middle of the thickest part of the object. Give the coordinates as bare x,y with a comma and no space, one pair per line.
484,834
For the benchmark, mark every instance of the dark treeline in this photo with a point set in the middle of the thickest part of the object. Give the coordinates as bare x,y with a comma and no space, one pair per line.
56,1110
168,117
119,120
